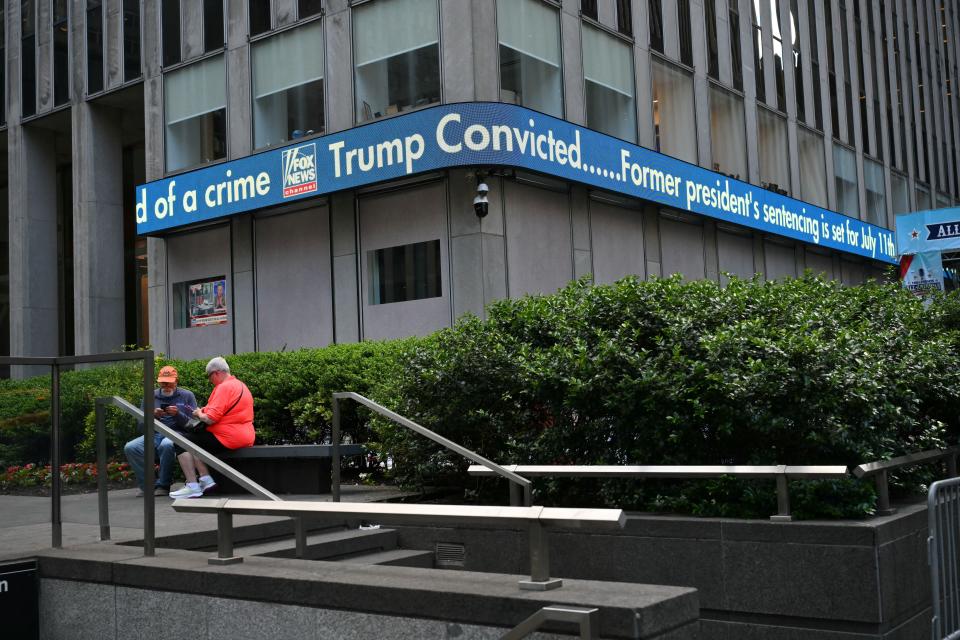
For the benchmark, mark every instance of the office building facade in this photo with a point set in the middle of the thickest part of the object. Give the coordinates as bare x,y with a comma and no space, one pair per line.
221,176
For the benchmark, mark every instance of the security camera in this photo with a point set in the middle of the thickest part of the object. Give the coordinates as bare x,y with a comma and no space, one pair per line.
481,206
483,189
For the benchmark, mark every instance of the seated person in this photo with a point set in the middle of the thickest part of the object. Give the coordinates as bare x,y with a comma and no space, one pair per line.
173,406
229,419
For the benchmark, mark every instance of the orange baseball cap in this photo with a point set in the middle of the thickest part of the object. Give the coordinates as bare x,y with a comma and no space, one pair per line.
167,374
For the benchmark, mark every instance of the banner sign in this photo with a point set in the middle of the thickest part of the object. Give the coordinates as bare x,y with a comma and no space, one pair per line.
936,230
491,134
922,273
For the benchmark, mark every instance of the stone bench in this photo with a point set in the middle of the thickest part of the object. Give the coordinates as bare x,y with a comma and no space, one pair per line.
285,468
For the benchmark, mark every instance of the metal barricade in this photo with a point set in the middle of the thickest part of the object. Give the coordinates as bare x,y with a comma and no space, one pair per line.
943,548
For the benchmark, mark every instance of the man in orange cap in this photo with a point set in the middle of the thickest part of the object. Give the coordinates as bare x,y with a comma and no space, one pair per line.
173,406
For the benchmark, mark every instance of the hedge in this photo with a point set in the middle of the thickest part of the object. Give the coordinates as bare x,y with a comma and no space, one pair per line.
801,371
291,392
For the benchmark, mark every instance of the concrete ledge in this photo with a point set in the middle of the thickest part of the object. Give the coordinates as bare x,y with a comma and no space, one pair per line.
626,610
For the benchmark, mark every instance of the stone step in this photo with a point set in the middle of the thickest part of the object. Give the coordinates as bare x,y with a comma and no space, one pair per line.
327,545
394,557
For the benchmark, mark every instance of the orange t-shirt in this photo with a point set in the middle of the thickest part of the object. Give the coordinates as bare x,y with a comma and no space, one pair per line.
235,429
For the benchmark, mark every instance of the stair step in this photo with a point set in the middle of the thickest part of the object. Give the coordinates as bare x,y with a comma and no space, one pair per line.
326,545
395,557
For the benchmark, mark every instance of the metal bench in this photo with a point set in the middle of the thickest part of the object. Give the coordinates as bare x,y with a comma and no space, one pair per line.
781,473
287,468
535,519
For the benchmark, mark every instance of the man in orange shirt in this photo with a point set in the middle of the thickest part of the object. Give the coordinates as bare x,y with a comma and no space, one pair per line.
228,415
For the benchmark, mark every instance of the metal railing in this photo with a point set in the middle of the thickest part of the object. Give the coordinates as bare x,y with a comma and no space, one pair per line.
880,469
943,514
586,619
149,539
535,519
781,473
517,483
56,490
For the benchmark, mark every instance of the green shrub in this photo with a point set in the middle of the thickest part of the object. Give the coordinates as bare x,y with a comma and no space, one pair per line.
291,390
803,371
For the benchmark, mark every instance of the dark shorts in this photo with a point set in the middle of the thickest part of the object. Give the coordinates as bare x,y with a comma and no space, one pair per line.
205,440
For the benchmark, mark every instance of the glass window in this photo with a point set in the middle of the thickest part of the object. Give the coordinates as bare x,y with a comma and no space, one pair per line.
727,134
797,60
943,201
397,56
845,172
758,60
608,79
307,8
815,65
408,272
674,123
94,46
813,168
200,303
655,10
899,193
530,55
736,60
588,8
924,203
876,192
259,16
772,142
288,85
28,62
61,53
213,36
686,37
131,39
195,107
3,67
171,31
713,55
777,33
624,17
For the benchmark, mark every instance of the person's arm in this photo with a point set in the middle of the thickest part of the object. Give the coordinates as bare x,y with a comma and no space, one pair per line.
216,406
189,404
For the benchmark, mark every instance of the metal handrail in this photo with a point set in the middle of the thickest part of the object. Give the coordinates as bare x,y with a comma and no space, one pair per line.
517,482
535,519
56,490
586,619
880,469
100,405
782,473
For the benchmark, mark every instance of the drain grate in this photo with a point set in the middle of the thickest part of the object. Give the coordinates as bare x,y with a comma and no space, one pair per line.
451,554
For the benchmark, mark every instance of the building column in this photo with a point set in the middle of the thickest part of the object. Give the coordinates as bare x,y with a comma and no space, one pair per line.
97,229
159,317
346,292
34,313
478,273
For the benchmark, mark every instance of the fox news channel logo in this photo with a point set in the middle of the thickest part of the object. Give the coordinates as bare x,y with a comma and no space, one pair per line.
299,170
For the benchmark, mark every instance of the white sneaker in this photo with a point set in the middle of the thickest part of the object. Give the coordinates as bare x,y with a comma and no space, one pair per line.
207,485
191,490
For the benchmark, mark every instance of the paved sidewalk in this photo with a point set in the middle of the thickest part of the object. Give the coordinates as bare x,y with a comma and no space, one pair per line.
25,521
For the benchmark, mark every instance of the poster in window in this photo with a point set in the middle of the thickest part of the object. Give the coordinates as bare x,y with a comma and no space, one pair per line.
208,303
